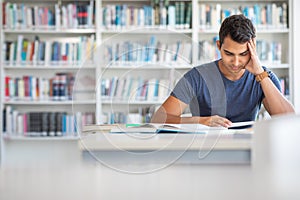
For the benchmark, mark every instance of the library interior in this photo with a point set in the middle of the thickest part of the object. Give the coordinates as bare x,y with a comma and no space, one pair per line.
101,99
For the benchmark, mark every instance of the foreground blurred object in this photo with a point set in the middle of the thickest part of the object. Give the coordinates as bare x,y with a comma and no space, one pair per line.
276,158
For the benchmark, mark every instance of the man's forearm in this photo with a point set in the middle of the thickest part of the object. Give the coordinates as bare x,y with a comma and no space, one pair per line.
163,117
274,101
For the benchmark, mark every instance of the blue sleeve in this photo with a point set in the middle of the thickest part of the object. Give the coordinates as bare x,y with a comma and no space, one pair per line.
185,88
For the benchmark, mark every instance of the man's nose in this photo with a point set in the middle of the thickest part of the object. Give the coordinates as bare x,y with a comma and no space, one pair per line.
236,60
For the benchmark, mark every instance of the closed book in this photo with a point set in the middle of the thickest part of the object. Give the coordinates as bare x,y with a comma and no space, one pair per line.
6,86
34,124
59,124
52,123
171,16
45,123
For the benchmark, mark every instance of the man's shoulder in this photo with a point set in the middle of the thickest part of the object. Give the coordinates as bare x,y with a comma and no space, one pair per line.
209,69
207,65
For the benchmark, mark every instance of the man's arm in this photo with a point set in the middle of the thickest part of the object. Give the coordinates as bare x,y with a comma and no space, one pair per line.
274,101
172,108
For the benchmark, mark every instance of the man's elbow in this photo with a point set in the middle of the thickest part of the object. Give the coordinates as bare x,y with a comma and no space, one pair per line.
158,117
285,111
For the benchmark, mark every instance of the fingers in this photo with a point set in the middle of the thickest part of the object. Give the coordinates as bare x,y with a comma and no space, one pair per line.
217,121
254,67
251,46
254,42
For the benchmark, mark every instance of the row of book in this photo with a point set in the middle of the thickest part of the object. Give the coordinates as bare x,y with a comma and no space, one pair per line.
176,15
141,115
270,15
18,123
180,52
39,52
208,50
135,89
57,88
285,87
270,52
150,51
22,16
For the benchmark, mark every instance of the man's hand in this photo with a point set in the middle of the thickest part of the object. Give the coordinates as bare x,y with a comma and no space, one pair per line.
253,66
215,121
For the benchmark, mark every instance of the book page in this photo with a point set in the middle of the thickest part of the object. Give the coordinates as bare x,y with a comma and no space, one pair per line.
241,124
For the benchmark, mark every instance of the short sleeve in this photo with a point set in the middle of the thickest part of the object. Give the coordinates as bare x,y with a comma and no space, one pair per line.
184,89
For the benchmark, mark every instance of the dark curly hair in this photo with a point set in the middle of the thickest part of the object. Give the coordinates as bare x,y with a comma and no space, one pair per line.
238,27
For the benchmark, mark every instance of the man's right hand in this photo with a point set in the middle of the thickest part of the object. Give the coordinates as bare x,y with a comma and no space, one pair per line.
215,121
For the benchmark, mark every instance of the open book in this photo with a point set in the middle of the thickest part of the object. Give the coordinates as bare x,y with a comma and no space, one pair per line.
158,128
90,128
240,125
165,128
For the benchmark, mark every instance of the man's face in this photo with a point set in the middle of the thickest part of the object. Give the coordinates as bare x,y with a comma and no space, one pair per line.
234,55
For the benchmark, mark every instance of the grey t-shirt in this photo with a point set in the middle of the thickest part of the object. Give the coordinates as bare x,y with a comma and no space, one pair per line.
208,92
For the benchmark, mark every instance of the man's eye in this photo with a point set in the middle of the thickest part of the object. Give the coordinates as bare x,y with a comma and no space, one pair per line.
245,53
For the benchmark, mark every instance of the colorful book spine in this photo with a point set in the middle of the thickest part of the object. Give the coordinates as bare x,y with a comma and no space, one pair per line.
22,16
17,123
263,15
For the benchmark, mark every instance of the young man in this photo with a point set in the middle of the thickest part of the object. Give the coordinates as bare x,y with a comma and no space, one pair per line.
227,90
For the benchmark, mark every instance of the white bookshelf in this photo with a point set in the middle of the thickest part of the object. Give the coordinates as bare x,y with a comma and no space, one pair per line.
168,70
48,102
47,138
51,31
295,43
80,100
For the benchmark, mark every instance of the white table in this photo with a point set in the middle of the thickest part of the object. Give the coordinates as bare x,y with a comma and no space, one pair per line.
127,150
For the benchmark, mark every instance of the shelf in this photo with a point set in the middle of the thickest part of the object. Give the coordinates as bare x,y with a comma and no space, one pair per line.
38,138
273,31
271,65
131,102
235,2
50,103
50,31
147,66
48,67
48,1
259,31
146,30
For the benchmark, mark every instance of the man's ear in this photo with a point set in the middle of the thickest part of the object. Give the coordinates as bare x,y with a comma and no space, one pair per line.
218,44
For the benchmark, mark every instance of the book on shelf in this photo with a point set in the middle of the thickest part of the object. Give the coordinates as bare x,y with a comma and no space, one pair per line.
60,87
142,116
152,51
263,16
56,123
48,53
136,89
24,16
158,14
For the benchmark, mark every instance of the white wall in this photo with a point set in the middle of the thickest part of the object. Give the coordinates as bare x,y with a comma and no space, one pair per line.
295,7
